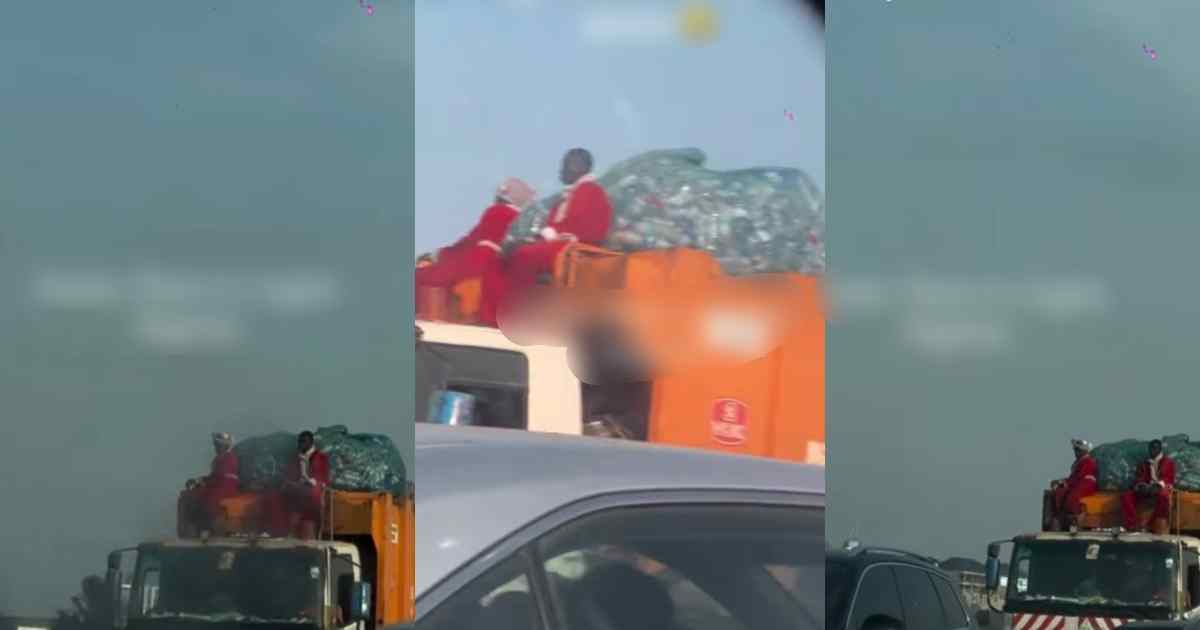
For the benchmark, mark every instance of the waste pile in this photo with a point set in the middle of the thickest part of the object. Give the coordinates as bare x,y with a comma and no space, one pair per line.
357,461
757,220
1118,462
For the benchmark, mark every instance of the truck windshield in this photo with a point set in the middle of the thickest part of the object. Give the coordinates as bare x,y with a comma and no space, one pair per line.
1068,574
236,584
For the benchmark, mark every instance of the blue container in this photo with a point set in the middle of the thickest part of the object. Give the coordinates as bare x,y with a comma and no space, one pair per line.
452,408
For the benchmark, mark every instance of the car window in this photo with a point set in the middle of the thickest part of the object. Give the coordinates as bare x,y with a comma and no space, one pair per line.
687,568
877,595
500,599
922,607
956,614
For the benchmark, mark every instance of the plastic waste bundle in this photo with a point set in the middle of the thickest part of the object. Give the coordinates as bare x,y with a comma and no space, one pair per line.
753,220
1118,462
357,461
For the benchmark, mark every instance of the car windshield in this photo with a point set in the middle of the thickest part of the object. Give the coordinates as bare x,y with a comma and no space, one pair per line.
281,585
838,586
1092,573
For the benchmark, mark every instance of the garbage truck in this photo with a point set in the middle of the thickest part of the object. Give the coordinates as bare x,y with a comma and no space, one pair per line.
771,406
1099,576
358,572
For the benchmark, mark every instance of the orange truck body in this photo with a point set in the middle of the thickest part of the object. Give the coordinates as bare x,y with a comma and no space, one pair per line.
771,406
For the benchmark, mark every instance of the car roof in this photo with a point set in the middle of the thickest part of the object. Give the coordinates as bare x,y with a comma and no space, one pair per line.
475,486
862,557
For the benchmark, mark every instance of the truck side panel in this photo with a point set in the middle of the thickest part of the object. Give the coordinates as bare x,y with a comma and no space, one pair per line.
779,400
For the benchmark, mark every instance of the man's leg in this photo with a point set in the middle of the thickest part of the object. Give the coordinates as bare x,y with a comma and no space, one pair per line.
1162,511
1129,510
530,261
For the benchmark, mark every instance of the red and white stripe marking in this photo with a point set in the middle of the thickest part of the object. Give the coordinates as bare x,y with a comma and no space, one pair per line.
1054,622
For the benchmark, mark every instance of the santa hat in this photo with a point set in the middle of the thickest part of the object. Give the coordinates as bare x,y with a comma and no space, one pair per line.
516,192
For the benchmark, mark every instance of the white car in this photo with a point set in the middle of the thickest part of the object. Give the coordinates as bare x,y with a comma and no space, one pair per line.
530,531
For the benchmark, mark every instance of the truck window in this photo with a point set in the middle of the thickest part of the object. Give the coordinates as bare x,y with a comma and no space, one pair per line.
922,607
625,404
497,379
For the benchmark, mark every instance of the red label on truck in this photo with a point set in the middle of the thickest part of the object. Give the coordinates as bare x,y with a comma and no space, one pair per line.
729,421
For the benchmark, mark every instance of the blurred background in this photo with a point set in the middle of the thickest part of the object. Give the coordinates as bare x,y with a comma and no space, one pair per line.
1014,217
202,206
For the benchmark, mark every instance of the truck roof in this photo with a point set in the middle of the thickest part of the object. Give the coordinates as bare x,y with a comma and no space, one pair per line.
514,477
248,542
1101,536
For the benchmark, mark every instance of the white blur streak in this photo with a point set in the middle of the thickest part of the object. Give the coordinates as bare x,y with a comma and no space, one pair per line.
180,332
181,309
627,26
953,317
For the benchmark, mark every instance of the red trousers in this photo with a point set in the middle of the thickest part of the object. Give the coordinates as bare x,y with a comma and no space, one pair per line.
528,262
286,504
1067,499
458,265
1130,499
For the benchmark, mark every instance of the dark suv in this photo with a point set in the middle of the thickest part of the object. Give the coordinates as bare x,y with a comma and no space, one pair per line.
870,588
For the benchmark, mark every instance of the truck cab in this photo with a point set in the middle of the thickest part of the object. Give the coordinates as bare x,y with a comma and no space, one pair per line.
1096,578
357,574
234,582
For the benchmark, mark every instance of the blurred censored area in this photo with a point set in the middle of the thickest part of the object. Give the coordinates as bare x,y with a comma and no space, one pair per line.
617,335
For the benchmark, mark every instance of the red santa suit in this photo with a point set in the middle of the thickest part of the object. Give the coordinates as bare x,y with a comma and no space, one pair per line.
311,473
583,215
1150,471
1081,483
475,255
297,497
221,484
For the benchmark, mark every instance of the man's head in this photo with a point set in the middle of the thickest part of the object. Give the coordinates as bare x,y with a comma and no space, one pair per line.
1081,447
306,441
1156,448
222,442
575,164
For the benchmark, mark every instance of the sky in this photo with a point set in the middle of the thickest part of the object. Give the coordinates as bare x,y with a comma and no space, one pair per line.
1012,220
504,88
202,206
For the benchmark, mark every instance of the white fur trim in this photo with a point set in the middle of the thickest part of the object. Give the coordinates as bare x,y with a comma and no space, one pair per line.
549,233
490,245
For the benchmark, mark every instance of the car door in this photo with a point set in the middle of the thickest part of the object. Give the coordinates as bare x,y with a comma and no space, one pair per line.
955,611
877,596
671,562
922,605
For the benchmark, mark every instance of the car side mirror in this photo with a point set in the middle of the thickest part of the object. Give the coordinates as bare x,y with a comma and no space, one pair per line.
116,591
992,573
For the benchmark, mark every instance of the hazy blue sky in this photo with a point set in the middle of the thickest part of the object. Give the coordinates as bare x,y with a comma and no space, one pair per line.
503,88
204,207
1013,199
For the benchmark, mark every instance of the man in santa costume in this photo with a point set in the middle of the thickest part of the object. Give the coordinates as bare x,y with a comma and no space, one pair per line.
1154,483
295,508
478,254
1067,492
206,493
583,215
